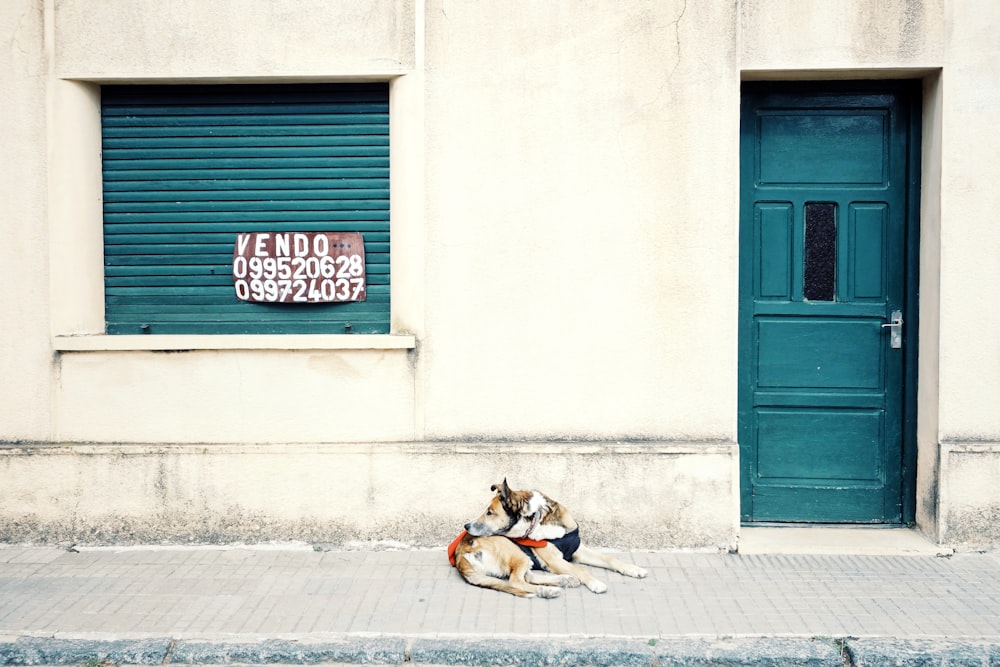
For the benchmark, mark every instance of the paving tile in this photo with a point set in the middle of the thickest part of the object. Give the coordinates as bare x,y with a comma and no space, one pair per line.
246,592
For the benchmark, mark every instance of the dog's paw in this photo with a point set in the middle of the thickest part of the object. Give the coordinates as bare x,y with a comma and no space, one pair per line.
635,571
548,591
596,586
568,581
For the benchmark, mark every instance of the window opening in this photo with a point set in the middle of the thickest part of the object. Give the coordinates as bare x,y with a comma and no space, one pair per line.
820,279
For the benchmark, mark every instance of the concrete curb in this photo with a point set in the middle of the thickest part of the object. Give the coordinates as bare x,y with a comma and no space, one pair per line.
53,651
612,652
921,652
554,652
774,651
352,650
529,652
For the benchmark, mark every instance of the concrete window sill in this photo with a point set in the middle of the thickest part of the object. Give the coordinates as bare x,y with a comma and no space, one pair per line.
102,343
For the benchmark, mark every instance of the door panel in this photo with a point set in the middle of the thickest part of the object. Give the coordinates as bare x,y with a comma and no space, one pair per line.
773,256
866,265
822,267
796,146
791,444
817,353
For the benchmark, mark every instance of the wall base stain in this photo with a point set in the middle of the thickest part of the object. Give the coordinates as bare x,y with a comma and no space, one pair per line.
633,495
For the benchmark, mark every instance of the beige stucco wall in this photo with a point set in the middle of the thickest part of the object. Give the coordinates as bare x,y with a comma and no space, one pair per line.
572,261
25,354
229,39
565,235
970,237
414,494
970,504
852,38
221,396
969,346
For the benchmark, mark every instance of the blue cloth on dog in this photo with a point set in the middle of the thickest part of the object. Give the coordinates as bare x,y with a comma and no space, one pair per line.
567,544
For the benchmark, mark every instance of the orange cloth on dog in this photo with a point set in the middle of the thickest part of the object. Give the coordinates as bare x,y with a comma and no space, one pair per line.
523,541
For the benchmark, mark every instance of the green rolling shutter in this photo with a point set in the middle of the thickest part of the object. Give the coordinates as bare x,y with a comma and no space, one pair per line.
186,168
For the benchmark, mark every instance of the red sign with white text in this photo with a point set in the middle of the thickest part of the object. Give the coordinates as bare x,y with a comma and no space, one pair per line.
299,267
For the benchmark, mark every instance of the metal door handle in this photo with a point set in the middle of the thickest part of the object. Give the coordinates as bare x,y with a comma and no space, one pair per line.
895,326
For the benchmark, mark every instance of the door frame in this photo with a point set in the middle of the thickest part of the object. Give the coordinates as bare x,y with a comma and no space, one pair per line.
910,92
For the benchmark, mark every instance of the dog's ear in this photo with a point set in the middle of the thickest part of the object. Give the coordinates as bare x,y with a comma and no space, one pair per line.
503,490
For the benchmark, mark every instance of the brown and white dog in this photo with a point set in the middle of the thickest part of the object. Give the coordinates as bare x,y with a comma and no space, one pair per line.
527,544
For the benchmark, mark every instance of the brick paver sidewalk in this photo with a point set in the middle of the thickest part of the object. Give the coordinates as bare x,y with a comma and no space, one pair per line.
246,595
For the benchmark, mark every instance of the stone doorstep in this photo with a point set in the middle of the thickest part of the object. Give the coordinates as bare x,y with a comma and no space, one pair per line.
837,540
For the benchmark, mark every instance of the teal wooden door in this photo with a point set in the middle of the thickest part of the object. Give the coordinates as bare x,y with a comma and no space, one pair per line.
823,225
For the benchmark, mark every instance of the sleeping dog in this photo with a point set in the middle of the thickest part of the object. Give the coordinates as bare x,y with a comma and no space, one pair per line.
527,544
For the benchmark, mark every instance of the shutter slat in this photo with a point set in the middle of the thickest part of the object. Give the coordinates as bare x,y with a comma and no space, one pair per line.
346,210
207,95
117,266
247,134
249,109
207,262
224,295
371,247
159,275
223,207
188,167
124,180
226,187
278,214
237,310
208,326
335,167
373,141
322,142
290,122
348,155
184,227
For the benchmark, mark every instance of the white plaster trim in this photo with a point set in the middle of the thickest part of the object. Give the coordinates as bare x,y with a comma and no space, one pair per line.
212,78
103,343
660,447
978,446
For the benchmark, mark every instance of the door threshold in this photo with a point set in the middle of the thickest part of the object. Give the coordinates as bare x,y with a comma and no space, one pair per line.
837,540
